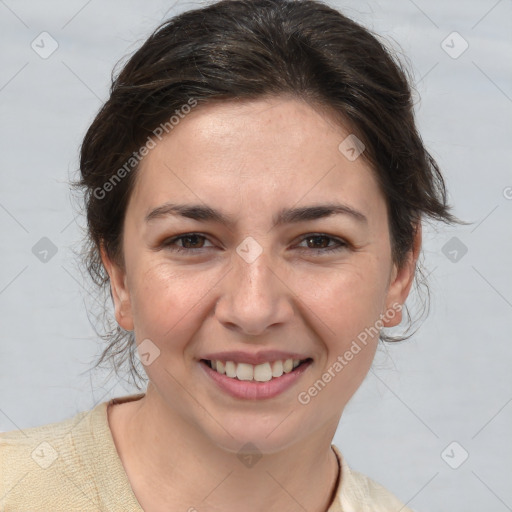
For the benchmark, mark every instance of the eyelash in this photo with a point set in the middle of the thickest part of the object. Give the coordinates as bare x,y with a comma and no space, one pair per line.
341,244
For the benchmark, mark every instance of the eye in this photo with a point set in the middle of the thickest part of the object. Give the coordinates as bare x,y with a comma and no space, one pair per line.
188,239
323,240
194,242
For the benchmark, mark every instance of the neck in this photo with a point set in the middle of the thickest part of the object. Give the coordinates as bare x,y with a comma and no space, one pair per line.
186,471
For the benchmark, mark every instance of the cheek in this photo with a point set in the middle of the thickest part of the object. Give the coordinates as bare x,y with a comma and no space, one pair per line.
341,311
170,302
347,299
344,307
165,298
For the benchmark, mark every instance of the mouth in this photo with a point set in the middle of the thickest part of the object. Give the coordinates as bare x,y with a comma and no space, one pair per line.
263,372
255,382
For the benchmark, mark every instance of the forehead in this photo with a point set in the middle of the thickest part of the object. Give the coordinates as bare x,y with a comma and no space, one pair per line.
260,153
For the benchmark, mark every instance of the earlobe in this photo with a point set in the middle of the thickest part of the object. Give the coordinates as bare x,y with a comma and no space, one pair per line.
120,292
401,283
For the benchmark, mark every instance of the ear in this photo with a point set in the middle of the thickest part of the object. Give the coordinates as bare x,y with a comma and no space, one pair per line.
120,292
401,282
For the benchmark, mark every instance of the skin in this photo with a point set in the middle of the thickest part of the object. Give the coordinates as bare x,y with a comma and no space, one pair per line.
179,443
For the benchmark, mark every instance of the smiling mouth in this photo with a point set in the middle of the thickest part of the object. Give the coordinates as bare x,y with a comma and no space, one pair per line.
259,373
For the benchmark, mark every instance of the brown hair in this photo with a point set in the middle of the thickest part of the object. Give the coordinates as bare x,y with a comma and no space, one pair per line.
247,49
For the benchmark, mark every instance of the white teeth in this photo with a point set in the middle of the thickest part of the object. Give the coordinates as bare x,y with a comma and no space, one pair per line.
288,366
230,369
277,368
244,371
263,372
260,373
220,367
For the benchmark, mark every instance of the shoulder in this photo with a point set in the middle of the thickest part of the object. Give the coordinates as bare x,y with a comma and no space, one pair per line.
359,493
42,466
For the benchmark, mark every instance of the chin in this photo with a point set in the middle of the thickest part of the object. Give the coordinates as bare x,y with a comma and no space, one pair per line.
259,436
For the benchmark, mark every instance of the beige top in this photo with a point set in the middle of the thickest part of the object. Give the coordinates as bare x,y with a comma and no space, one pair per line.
73,465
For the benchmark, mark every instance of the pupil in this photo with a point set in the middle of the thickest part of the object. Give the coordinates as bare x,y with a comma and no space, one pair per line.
185,239
318,238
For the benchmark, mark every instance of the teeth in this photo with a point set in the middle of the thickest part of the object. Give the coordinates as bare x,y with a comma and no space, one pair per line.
288,366
263,372
277,369
230,369
260,373
244,371
220,367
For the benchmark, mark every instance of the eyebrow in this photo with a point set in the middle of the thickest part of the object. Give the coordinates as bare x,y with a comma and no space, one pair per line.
285,216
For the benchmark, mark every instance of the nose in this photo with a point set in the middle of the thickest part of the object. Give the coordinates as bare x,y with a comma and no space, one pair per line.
254,297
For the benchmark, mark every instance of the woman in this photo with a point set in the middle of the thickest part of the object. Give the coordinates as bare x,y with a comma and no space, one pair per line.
254,187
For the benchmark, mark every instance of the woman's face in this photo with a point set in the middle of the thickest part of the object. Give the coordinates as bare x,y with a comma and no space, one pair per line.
316,286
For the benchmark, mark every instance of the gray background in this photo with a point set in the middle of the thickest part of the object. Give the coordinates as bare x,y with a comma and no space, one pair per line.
451,382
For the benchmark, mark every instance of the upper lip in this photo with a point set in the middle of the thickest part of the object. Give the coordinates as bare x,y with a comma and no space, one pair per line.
264,356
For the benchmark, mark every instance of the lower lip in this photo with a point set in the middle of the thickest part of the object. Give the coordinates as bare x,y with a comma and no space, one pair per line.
252,390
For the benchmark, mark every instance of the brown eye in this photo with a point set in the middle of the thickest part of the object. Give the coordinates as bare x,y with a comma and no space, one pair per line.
190,242
320,243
